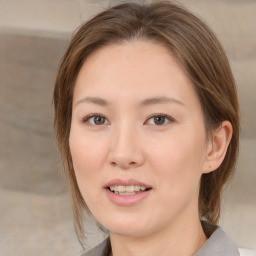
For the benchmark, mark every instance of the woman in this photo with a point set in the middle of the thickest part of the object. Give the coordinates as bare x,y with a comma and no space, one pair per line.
147,125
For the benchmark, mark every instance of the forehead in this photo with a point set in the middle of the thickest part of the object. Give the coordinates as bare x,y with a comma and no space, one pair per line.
129,55
132,69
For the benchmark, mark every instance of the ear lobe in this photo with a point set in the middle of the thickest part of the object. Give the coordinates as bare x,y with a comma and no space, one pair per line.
217,146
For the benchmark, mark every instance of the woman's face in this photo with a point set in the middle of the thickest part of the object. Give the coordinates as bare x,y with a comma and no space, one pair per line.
137,129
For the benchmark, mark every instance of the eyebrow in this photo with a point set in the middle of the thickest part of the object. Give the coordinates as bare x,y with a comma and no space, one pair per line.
146,102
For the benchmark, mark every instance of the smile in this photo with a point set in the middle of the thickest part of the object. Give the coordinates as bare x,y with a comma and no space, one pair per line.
126,190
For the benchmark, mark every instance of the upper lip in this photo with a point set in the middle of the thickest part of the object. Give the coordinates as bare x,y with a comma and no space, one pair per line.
126,182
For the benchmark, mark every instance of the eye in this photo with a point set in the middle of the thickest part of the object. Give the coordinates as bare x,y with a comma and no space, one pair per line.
161,119
95,119
99,120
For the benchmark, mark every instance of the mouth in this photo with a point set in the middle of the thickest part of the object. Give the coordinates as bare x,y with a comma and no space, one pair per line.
128,190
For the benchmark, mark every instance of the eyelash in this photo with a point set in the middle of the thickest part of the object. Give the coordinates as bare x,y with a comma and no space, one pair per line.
86,119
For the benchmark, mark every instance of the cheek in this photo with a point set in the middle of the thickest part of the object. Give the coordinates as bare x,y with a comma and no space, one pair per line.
87,157
178,161
85,151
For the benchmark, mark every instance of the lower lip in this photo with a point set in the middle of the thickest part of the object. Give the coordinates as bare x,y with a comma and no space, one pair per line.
127,200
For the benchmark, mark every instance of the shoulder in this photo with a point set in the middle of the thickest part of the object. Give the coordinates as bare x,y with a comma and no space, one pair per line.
218,243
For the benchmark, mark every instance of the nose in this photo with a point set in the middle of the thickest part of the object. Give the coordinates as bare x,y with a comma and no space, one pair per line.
126,151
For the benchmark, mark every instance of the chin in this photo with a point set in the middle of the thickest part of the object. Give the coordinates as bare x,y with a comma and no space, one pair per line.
128,229
130,233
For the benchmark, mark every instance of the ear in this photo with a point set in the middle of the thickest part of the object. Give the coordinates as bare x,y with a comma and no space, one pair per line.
217,146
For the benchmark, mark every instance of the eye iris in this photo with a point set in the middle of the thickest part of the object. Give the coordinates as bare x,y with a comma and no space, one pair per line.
159,120
99,120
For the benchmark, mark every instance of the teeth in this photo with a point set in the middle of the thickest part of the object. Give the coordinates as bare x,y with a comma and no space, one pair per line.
127,190
127,193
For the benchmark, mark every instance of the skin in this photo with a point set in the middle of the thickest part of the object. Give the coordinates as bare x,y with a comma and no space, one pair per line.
129,143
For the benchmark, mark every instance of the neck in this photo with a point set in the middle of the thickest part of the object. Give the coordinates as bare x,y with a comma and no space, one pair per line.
174,240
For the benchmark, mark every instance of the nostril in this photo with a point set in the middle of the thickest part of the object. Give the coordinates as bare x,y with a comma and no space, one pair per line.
124,165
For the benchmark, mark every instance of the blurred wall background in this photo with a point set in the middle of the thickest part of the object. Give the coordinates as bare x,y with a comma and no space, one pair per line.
35,211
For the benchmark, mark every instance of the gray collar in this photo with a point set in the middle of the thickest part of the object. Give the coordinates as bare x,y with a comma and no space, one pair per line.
218,244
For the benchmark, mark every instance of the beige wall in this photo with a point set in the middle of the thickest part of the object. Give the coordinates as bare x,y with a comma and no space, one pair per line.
35,215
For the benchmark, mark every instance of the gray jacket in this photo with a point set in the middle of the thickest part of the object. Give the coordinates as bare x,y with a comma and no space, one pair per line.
218,244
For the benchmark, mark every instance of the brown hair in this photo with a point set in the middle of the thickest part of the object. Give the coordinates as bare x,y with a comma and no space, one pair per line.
200,55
